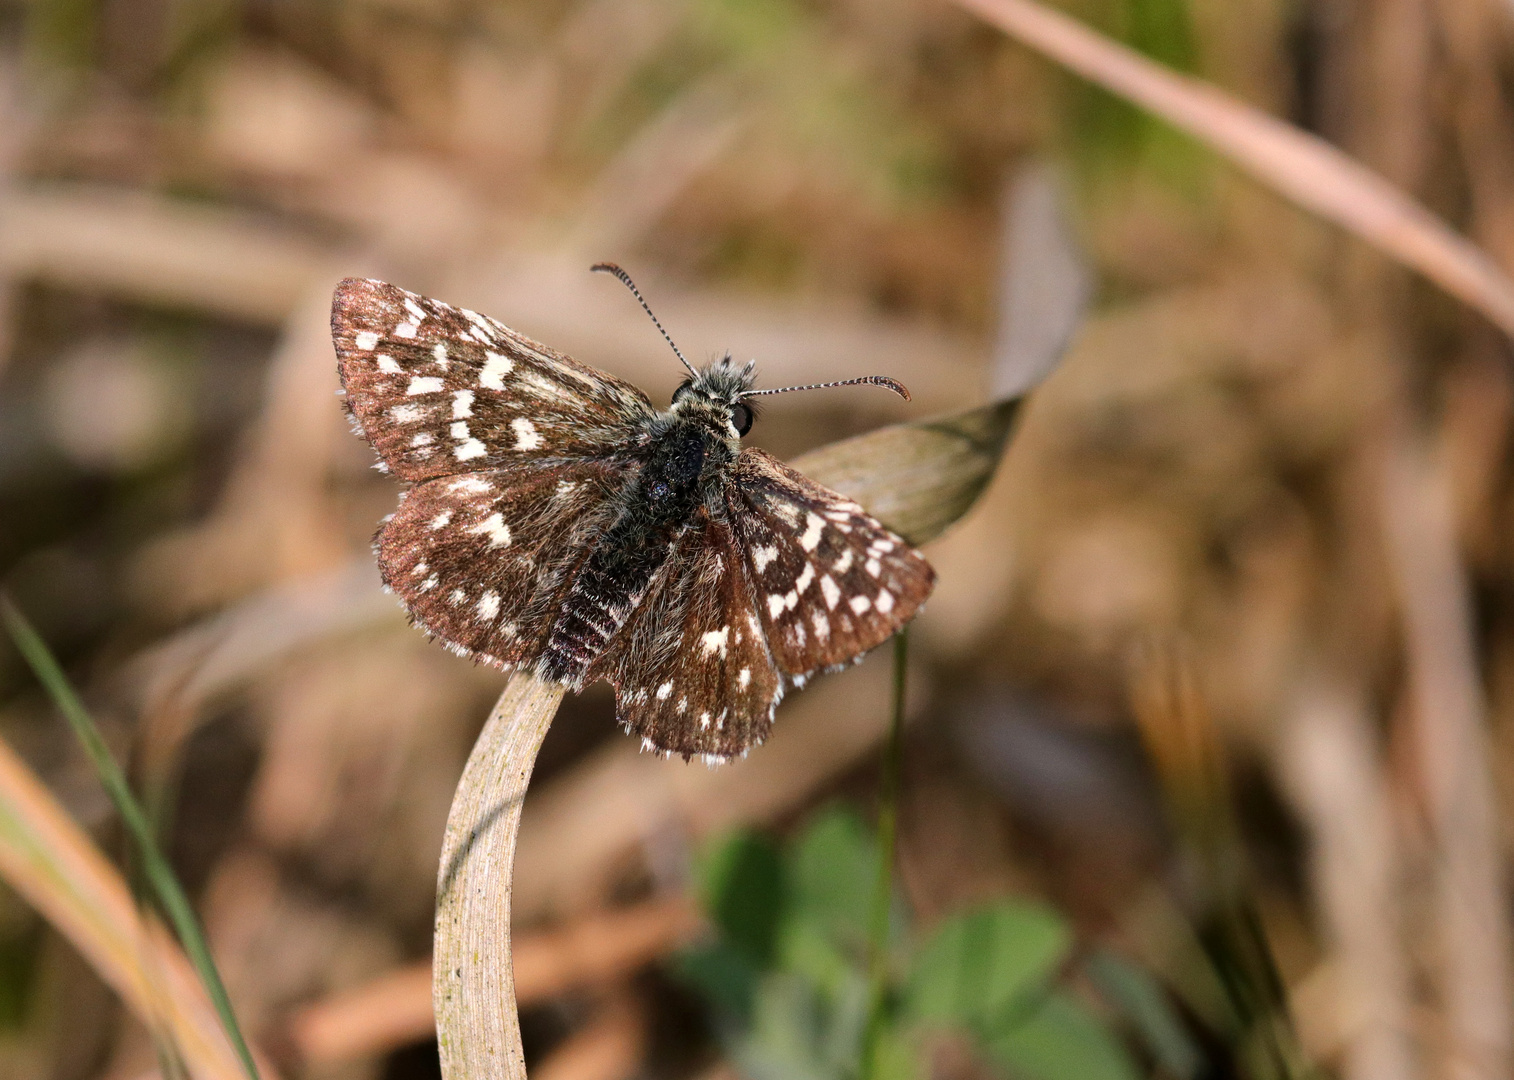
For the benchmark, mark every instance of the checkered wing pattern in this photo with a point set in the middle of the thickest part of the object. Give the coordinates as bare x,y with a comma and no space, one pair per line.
692,671
483,561
830,582
440,390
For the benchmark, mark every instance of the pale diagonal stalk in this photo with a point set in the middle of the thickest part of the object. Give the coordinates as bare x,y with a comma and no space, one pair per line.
1299,166
883,894
170,894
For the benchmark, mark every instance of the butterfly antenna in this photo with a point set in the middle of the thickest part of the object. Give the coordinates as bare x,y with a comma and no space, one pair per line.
625,279
874,380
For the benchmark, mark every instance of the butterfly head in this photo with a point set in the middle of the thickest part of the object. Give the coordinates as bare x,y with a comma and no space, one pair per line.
717,395
714,394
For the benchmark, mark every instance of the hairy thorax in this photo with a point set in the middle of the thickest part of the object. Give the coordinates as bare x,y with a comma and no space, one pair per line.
687,458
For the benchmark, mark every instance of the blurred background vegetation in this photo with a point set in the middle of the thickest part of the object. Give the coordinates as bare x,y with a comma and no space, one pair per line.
1211,740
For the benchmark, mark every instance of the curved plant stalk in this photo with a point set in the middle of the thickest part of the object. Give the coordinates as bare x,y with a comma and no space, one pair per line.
1299,166
918,478
472,977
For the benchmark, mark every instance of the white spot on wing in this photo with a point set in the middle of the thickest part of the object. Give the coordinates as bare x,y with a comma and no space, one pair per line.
821,624
761,556
814,524
664,691
873,567
472,485
439,354
806,576
423,384
405,414
859,604
843,564
775,604
745,678
832,592
469,450
495,529
405,330
386,364
462,404
526,435
488,605
885,601
366,340
496,367
441,520
715,641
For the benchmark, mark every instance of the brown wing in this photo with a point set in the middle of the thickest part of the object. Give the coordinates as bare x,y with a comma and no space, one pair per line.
691,668
440,390
830,581
483,560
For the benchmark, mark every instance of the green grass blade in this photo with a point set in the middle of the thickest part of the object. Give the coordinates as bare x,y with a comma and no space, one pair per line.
159,873
888,827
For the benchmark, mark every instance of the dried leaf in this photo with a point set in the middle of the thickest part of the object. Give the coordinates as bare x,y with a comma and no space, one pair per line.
918,478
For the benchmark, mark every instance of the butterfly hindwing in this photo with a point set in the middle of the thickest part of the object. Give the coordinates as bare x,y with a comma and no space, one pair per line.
830,582
440,390
692,671
483,560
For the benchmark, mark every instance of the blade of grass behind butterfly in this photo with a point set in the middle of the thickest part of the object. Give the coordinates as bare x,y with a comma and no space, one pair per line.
1180,738
50,862
883,896
165,885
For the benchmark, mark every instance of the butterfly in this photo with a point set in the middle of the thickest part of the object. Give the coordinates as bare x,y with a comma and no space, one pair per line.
556,521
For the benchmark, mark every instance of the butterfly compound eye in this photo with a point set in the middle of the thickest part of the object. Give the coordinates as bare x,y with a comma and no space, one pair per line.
683,388
741,418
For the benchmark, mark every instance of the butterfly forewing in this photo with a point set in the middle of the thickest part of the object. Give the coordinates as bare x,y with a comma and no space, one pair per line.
483,560
830,582
440,390
692,671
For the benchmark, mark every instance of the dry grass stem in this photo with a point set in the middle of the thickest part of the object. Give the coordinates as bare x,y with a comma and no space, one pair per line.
1448,728
50,862
477,1025
395,1009
1298,165
159,251
609,1048
1337,781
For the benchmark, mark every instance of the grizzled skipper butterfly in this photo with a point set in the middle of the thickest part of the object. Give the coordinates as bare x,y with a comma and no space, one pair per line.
558,522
